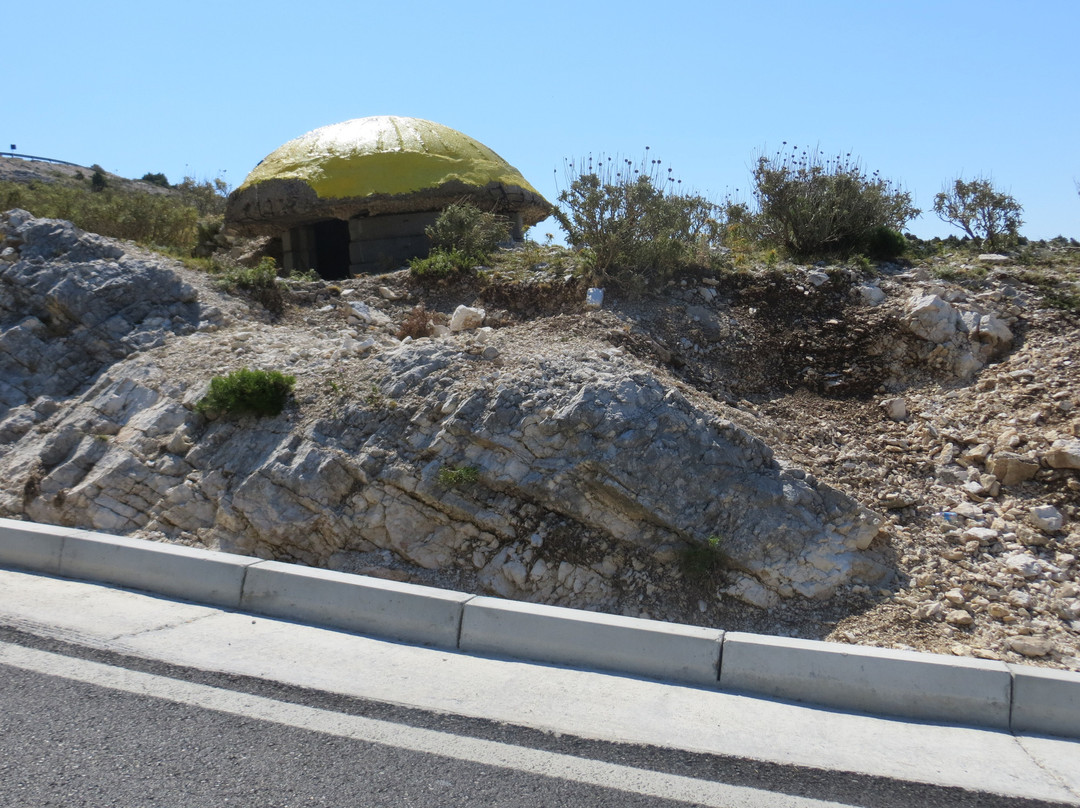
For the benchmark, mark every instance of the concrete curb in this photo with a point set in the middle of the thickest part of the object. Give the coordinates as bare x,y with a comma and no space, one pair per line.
591,639
929,687
909,684
390,609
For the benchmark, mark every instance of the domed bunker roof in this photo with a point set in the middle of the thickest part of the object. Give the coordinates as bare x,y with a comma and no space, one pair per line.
374,166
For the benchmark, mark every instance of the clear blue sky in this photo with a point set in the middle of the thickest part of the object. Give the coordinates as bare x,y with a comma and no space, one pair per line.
921,91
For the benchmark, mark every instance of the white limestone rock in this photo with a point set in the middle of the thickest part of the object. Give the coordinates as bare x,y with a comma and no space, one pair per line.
871,295
1023,564
466,318
1030,646
1064,454
931,318
1011,468
1046,518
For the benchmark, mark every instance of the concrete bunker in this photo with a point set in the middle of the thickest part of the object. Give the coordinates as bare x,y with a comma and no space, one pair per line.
356,197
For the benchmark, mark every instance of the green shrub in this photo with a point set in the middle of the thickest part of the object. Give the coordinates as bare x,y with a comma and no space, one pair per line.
637,225
886,244
305,276
258,392
462,238
156,179
464,228
207,236
981,211
451,477
441,264
260,282
208,197
814,205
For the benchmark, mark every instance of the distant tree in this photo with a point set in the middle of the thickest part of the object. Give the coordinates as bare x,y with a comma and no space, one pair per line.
156,179
98,181
208,196
981,211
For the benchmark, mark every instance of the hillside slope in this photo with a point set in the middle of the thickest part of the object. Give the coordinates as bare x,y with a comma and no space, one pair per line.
886,459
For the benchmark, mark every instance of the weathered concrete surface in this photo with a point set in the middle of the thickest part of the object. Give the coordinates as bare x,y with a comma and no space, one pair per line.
383,164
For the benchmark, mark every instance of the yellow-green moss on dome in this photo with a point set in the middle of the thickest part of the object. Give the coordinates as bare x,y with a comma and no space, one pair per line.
384,154
381,164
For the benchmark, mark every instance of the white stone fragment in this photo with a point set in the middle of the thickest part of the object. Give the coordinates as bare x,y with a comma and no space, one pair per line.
363,313
895,408
1030,646
871,295
1023,564
466,318
1046,518
1064,454
931,318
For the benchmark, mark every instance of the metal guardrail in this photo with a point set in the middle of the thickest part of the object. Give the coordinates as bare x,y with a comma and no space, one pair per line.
40,159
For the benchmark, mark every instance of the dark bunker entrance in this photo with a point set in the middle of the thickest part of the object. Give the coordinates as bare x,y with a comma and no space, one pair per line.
332,249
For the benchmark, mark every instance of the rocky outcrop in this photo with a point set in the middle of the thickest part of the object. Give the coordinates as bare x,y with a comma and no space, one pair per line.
963,338
563,477
72,303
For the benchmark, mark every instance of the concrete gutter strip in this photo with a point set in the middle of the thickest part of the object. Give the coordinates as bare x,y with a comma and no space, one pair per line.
914,685
930,687
398,611
1045,701
573,637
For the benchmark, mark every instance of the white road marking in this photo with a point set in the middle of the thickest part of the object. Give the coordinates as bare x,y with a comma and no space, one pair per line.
400,736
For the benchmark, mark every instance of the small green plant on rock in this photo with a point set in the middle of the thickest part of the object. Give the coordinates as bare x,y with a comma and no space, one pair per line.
457,476
260,282
440,264
700,560
256,392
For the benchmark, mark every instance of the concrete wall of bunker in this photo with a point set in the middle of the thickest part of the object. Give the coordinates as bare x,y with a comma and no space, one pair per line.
337,249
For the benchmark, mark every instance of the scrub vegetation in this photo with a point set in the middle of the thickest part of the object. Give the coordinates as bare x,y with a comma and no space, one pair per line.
168,220
259,282
457,476
638,226
462,238
635,227
983,212
814,205
244,391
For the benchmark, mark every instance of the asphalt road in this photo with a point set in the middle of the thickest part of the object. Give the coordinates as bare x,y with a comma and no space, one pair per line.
80,727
